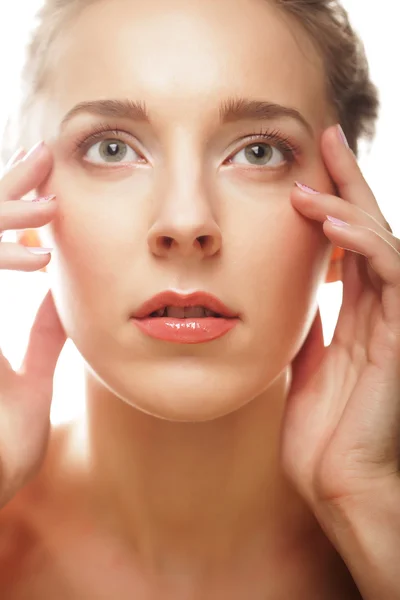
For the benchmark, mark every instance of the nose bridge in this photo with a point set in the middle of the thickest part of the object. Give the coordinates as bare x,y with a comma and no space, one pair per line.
184,219
184,184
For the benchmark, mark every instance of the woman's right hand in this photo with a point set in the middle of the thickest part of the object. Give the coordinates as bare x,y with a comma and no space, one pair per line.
25,396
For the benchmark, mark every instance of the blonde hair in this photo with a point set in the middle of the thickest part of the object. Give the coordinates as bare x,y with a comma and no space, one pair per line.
350,90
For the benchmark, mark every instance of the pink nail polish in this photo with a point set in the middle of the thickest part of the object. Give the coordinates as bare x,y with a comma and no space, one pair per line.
39,251
337,222
306,188
44,199
342,136
35,151
15,158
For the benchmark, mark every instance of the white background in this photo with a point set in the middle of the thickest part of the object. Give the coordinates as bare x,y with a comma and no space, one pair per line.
21,293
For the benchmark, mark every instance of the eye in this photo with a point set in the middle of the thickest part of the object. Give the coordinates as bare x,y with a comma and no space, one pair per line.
111,151
259,154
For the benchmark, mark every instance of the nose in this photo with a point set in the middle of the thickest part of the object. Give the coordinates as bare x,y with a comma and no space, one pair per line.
185,226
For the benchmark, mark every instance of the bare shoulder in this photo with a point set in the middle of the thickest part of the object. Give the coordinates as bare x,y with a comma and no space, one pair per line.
22,554
52,544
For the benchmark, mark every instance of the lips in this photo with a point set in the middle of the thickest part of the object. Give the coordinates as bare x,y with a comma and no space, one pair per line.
194,318
165,302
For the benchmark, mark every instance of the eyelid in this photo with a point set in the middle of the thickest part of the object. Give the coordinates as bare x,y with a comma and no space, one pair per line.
290,150
275,139
286,160
100,133
285,144
104,131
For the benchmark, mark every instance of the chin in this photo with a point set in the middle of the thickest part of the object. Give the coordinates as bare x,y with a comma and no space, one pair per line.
187,393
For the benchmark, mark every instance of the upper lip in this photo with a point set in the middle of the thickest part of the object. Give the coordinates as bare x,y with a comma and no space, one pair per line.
172,298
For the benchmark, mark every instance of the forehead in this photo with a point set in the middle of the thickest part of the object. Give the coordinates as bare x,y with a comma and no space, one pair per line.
180,56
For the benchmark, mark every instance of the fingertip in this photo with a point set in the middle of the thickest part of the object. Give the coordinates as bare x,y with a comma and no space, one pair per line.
18,155
46,340
27,175
335,138
330,136
14,160
305,188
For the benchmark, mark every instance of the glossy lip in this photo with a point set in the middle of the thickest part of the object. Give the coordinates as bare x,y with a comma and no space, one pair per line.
173,298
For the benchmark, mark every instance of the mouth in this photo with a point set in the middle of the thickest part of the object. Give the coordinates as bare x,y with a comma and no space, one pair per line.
179,305
185,318
186,312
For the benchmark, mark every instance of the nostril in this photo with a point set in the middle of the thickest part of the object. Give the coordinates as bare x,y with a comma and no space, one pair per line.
209,244
167,241
206,245
203,240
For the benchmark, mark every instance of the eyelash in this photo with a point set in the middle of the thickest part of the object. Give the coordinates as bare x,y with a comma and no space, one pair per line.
284,144
275,138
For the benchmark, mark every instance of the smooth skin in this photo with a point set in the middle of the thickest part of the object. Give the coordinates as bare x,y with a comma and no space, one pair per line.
181,482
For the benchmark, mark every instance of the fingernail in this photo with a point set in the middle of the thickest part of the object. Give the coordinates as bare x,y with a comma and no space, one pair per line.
337,222
39,251
342,136
35,151
306,188
44,198
15,158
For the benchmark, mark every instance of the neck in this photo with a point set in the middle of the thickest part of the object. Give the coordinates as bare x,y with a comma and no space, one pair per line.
199,490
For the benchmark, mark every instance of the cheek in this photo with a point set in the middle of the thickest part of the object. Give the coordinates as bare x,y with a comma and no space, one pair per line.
98,222
96,244
282,273
274,247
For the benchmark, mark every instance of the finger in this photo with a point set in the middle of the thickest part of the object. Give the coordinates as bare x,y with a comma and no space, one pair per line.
27,174
309,357
17,156
348,328
7,373
317,206
16,257
46,340
383,258
346,174
20,214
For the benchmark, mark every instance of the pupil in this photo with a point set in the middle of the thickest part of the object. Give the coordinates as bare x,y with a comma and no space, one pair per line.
258,152
113,150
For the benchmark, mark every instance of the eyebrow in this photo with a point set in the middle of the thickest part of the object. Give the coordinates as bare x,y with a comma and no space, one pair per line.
231,110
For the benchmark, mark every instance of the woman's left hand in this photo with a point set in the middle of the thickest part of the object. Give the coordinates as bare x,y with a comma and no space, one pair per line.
341,428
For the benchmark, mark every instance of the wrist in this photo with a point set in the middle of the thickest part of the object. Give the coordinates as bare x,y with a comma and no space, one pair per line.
366,532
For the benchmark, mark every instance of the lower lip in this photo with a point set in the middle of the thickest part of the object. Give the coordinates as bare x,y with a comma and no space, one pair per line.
185,331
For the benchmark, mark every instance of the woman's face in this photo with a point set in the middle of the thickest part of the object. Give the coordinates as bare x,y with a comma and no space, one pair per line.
134,202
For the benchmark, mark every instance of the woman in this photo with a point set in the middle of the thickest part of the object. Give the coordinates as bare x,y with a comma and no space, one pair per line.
224,452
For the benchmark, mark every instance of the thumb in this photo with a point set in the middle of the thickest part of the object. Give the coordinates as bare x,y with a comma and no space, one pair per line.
46,340
309,357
